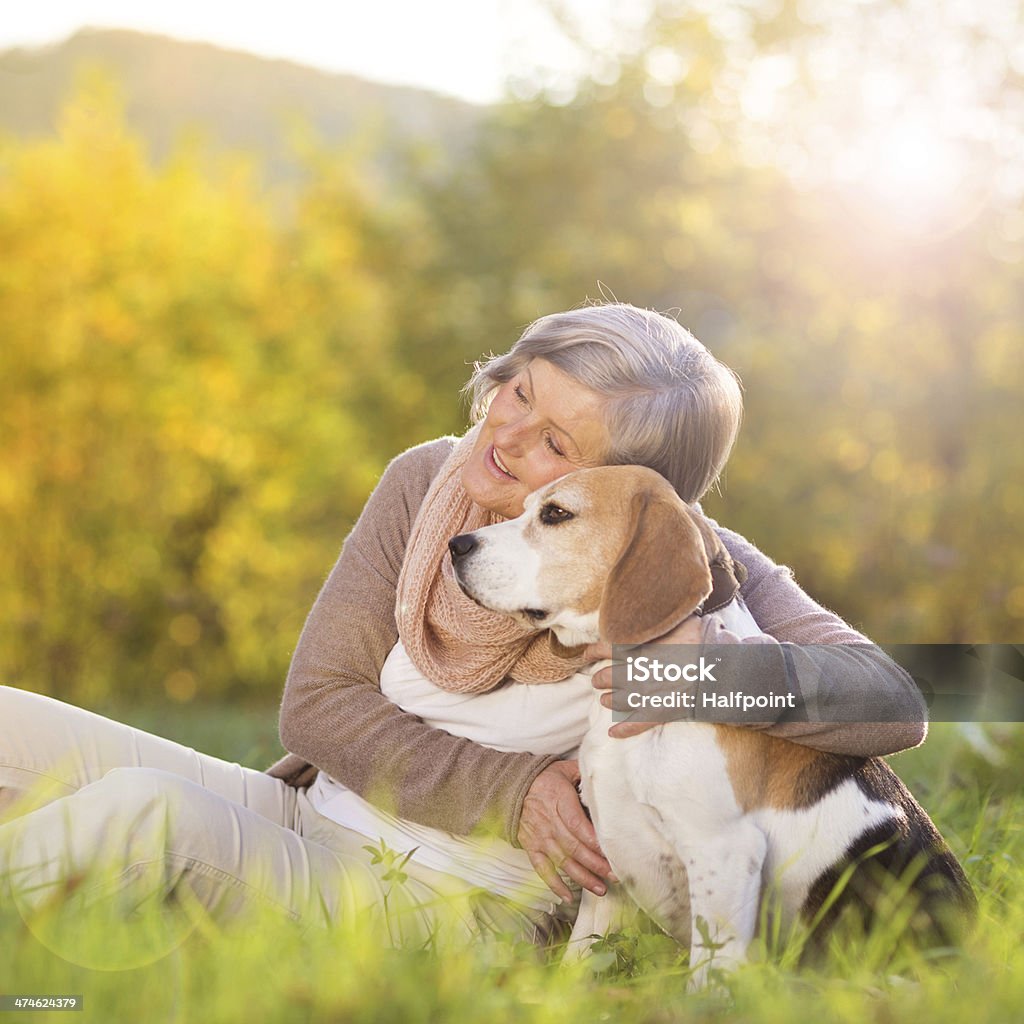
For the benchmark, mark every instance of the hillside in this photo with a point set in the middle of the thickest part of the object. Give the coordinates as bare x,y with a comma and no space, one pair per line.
237,100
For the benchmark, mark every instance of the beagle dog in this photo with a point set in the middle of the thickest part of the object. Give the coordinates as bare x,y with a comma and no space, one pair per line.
699,821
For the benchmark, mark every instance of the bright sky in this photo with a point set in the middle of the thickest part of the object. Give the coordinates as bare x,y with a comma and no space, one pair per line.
461,47
891,124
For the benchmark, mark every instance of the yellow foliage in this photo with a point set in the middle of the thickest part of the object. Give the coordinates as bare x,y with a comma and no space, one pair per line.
179,406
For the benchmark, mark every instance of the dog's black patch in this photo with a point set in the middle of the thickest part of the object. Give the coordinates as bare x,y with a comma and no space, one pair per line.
824,774
905,849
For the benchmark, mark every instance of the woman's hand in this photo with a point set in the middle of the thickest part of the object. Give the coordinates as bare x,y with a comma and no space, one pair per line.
557,834
689,631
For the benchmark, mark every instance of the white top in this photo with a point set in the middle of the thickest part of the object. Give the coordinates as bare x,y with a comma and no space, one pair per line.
548,718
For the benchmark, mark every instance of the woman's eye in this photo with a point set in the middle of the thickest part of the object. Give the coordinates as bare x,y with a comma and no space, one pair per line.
520,394
551,444
551,515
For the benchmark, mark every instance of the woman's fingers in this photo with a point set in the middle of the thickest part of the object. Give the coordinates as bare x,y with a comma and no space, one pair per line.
597,652
584,862
602,679
584,878
557,834
630,726
543,866
621,730
566,852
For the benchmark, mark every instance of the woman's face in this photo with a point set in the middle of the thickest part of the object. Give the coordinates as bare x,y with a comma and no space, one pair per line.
540,425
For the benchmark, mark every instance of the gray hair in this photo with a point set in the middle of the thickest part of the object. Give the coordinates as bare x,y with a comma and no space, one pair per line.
671,405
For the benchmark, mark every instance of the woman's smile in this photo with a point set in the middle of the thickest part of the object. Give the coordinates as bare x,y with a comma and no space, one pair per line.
499,464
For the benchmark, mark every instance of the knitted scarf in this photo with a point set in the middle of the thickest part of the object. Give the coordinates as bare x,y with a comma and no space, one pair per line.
455,643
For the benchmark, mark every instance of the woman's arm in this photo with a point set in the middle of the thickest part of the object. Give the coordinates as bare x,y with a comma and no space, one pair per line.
787,615
333,714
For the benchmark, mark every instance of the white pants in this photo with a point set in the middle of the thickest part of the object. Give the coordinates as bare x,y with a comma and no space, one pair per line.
77,789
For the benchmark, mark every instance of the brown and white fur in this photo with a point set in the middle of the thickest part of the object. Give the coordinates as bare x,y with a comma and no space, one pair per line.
697,820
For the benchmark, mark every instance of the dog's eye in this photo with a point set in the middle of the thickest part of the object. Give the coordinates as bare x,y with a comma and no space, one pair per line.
551,515
535,614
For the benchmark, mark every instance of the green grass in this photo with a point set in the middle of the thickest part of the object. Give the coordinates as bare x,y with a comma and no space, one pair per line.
246,733
179,967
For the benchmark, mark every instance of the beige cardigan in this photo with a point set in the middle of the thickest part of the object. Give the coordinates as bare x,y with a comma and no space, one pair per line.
334,716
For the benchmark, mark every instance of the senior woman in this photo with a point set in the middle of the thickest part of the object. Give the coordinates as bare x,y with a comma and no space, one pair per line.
398,712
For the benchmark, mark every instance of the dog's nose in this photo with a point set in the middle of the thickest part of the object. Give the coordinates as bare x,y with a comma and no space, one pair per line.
462,545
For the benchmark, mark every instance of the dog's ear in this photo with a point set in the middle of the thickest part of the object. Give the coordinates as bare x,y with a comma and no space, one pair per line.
713,546
661,575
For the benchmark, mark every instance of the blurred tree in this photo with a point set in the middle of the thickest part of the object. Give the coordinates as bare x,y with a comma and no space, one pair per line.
183,402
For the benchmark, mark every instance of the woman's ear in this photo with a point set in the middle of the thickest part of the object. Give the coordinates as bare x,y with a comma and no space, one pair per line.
661,575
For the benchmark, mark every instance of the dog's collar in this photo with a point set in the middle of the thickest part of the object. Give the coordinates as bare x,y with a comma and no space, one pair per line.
727,576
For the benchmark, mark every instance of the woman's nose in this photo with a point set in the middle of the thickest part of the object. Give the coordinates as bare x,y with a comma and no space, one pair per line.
511,434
